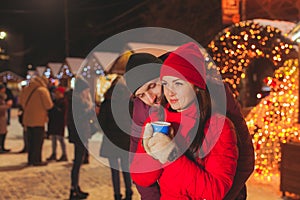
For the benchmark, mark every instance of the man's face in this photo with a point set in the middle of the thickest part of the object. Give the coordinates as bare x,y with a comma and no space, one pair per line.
150,93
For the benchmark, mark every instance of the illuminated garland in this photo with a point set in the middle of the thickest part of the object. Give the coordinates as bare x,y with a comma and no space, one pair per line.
236,46
92,69
273,120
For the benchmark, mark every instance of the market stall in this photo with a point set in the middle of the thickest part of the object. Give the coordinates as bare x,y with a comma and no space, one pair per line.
69,70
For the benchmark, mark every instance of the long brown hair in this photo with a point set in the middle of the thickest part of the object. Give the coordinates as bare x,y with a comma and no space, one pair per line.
205,105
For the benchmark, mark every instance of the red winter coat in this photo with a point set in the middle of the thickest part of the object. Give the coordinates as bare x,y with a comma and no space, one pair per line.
210,178
139,116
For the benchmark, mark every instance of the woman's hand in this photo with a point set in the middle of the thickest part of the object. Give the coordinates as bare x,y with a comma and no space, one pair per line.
148,133
159,145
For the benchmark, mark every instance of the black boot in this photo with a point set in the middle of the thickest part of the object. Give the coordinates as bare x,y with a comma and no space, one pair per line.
118,197
25,139
4,150
52,157
75,194
82,192
2,144
62,158
23,150
86,159
128,195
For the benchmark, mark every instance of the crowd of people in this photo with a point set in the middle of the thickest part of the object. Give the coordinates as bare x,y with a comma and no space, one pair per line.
207,154
45,112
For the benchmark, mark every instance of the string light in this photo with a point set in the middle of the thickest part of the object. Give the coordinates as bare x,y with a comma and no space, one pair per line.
273,120
246,41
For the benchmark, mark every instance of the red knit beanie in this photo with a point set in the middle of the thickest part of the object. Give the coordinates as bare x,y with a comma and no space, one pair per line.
61,89
187,63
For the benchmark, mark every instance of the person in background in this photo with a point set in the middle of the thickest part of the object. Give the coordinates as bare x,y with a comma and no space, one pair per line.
36,102
56,124
20,119
9,101
51,88
79,112
115,144
7,104
3,122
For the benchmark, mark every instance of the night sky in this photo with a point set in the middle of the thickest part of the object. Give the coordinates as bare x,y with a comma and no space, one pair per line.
36,28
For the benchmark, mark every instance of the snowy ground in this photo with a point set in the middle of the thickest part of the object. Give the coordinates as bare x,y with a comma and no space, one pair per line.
53,181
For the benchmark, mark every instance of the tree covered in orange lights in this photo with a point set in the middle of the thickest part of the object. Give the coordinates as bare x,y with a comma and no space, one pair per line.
237,46
274,120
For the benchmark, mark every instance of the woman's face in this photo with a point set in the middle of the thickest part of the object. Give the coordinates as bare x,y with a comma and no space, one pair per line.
179,93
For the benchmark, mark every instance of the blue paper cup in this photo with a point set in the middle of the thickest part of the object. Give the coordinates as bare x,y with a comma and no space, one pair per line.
161,127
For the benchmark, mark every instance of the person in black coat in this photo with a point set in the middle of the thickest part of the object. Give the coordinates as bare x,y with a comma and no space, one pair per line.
79,112
115,144
9,101
56,124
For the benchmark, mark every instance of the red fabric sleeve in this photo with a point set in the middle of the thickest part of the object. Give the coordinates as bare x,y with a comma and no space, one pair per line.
139,117
140,114
144,169
214,179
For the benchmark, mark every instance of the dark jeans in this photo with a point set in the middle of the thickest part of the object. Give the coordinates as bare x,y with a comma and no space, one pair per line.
115,174
61,140
79,153
86,157
2,141
8,116
35,144
25,139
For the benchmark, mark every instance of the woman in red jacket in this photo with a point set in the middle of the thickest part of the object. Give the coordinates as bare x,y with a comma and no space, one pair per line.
200,161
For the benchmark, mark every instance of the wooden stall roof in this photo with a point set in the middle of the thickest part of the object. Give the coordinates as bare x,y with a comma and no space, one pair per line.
55,67
40,70
105,59
118,67
10,76
74,63
155,49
